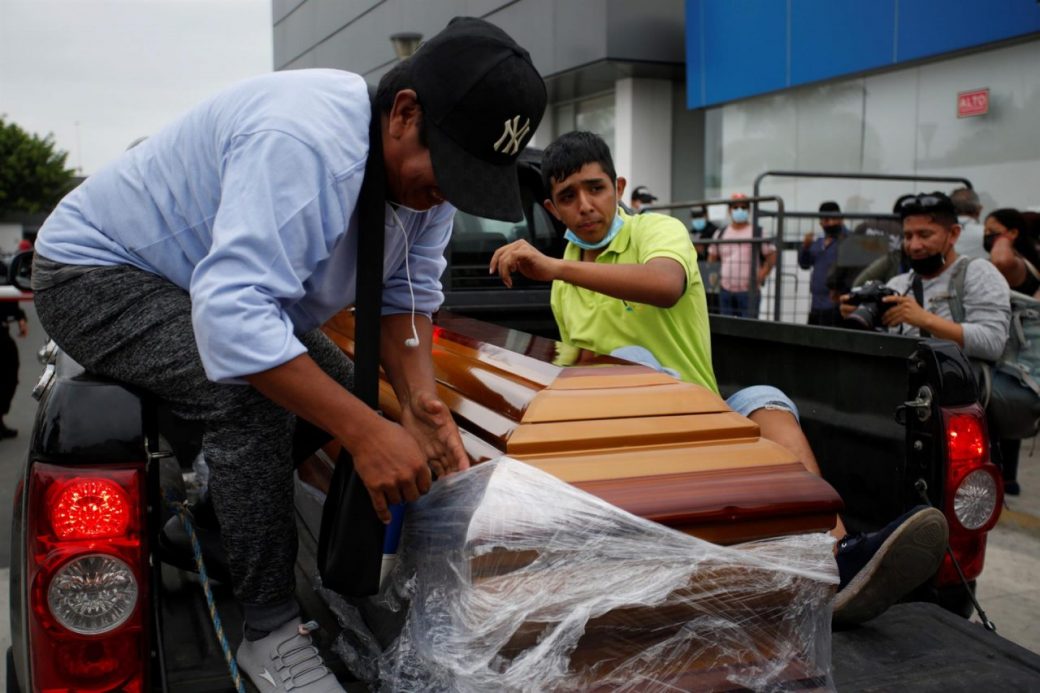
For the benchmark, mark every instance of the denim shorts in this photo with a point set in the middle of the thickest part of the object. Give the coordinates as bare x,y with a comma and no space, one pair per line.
760,397
743,402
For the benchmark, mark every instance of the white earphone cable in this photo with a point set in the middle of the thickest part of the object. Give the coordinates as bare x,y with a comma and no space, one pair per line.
414,340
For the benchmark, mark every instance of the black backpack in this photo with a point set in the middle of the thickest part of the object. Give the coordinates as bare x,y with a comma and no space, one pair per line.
1011,386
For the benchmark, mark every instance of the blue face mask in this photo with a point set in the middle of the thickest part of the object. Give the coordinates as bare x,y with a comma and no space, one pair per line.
604,242
739,215
699,224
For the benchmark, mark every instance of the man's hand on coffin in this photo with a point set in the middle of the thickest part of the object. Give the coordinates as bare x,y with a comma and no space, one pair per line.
391,465
429,422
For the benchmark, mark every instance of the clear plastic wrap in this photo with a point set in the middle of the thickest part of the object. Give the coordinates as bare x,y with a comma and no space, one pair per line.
511,580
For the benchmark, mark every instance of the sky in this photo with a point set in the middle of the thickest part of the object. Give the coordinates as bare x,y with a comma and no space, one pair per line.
98,74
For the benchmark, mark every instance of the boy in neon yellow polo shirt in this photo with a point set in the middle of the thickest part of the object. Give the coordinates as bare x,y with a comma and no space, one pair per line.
629,286
676,335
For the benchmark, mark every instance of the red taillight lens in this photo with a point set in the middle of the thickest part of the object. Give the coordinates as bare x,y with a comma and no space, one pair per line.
87,581
965,438
973,491
88,508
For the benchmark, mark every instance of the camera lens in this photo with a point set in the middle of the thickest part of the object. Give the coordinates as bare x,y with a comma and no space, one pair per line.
865,317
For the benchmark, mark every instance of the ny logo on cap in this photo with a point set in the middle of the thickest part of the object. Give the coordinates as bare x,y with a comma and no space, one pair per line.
512,135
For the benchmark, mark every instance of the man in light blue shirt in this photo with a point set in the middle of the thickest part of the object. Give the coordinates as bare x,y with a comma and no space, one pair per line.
200,264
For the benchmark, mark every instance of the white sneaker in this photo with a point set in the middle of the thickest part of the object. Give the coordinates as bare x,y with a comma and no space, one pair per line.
287,660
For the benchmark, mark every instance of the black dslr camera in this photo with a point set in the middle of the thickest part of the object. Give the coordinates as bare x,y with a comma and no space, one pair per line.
869,307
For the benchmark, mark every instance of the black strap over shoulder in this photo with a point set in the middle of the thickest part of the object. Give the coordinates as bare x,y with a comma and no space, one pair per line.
918,288
350,546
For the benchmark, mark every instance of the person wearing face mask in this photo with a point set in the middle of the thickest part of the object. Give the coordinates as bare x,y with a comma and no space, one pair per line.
628,286
922,306
819,255
740,292
1013,250
701,228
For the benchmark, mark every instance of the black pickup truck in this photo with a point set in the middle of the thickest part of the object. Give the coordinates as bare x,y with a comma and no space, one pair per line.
893,421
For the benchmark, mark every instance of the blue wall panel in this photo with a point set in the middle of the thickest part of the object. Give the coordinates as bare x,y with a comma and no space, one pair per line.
932,27
740,48
832,38
746,45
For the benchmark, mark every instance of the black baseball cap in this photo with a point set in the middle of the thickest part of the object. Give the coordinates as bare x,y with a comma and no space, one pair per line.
643,194
482,101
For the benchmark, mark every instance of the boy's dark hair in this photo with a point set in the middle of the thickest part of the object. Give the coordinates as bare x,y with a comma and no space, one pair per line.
570,152
398,78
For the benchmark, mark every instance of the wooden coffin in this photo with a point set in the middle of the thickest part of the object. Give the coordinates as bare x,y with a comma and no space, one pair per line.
659,448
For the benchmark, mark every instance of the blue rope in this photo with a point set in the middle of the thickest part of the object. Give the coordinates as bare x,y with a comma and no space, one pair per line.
181,508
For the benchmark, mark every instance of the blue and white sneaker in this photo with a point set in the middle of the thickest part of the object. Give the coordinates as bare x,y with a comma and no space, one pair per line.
880,568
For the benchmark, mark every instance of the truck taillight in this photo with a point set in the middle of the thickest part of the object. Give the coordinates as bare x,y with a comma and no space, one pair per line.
87,579
89,508
973,493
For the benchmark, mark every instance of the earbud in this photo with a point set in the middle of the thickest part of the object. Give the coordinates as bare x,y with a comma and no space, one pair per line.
412,341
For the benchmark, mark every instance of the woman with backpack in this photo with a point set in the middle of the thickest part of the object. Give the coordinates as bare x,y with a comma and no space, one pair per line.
1012,247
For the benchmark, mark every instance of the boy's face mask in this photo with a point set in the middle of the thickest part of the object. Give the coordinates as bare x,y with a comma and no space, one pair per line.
615,227
699,224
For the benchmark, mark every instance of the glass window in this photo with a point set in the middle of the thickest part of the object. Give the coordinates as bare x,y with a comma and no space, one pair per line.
595,114
475,239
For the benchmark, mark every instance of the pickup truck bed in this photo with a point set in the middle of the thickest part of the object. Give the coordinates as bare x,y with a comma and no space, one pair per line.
922,647
913,647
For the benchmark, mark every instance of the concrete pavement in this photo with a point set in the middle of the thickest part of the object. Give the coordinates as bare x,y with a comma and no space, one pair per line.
12,454
1009,587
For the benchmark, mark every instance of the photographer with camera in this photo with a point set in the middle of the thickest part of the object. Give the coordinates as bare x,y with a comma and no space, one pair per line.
944,295
917,303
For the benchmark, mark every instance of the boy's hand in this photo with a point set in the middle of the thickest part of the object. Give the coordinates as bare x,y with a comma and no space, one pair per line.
521,256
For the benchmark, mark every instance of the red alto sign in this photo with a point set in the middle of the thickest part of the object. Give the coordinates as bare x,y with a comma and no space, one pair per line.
972,103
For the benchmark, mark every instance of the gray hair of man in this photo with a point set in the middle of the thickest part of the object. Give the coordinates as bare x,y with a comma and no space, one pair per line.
966,202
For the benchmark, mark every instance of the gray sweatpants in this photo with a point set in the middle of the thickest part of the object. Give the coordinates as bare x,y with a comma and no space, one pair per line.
135,327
